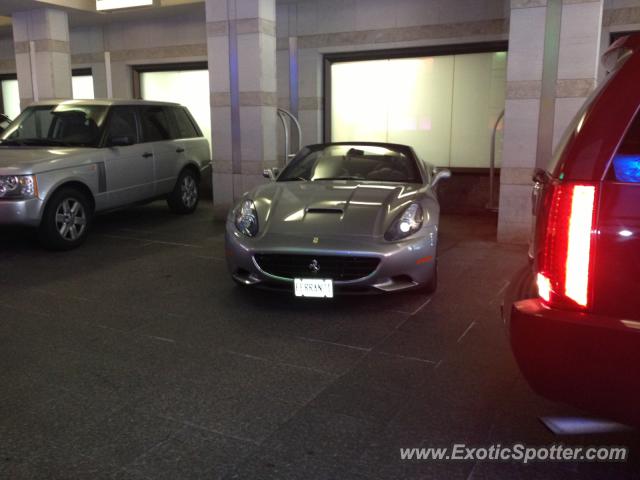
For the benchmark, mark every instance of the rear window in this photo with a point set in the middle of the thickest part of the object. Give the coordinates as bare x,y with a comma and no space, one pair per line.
580,116
184,126
156,124
626,163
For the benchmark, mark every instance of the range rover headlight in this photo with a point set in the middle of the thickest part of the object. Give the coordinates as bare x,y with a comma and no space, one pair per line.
18,187
407,223
247,218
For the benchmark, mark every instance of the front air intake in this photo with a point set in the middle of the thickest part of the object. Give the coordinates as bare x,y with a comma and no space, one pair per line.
335,267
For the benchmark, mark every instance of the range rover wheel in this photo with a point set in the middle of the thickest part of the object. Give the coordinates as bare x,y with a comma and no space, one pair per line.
66,219
186,194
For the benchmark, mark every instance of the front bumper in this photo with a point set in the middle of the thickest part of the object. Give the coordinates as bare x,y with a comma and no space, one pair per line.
403,265
589,361
21,212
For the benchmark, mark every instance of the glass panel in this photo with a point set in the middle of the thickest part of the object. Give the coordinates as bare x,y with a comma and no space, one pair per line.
11,98
445,107
187,87
122,123
478,100
82,87
68,125
420,95
358,104
626,162
184,126
156,125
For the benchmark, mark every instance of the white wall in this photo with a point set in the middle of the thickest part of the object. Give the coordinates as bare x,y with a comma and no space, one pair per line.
7,56
176,39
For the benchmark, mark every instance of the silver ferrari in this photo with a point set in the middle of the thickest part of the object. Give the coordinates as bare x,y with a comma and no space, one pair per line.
339,218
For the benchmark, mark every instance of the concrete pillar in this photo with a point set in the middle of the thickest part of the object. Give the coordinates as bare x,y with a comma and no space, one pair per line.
522,111
241,44
578,61
552,68
48,74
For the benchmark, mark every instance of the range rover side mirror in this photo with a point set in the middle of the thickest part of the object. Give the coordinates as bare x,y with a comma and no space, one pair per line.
271,173
122,141
440,174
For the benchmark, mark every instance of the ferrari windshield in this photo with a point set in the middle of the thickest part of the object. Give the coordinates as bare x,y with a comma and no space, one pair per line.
352,162
56,125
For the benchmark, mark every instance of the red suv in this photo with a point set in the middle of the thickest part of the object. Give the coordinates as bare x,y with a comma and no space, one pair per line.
574,313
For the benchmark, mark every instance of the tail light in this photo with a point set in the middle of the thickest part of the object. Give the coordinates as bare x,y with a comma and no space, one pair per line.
564,266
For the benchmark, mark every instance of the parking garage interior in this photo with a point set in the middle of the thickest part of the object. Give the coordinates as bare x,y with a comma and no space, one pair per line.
136,356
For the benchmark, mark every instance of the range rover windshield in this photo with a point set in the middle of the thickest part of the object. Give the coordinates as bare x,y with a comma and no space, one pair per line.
66,125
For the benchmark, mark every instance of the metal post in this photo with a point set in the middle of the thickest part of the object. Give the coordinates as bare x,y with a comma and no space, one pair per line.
492,164
107,71
282,113
34,72
281,116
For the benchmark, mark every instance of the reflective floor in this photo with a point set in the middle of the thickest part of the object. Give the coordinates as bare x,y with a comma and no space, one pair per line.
136,357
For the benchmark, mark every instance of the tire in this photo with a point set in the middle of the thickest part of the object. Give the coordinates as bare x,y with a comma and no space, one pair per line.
186,194
66,220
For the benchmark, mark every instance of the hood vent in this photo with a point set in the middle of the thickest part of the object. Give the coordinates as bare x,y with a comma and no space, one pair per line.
338,211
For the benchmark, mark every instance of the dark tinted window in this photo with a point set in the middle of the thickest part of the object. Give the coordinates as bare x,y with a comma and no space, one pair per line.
352,162
626,163
183,125
122,123
555,166
156,124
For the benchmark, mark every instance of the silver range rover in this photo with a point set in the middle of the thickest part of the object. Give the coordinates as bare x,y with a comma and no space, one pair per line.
63,162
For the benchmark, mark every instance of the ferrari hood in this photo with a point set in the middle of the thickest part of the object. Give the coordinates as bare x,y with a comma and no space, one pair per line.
340,208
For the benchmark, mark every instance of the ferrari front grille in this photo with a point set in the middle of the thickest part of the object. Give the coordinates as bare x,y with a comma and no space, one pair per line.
335,267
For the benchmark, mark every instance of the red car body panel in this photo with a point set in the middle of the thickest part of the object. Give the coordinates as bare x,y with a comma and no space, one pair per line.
590,357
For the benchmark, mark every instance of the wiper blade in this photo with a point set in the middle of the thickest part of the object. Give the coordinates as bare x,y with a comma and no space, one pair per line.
339,178
14,143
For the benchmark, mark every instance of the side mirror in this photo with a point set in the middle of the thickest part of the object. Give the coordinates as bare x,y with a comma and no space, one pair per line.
123,141
440,174
271,173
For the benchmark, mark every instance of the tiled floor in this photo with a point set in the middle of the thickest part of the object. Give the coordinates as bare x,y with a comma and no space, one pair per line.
136,357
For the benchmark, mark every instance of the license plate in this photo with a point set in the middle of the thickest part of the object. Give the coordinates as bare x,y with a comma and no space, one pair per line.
313,287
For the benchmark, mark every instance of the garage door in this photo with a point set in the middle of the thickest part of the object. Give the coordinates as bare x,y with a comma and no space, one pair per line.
10,98
81,85
443,106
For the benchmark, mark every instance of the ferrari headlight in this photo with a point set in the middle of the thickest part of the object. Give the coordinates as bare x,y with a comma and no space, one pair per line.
247,218
407,223
18,187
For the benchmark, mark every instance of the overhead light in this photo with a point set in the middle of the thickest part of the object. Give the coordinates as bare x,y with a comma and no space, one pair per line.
102,5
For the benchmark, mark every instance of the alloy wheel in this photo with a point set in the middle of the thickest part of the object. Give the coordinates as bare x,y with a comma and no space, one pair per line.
71,219
189,190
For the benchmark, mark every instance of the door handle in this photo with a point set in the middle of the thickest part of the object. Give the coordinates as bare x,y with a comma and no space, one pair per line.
147,154
179,150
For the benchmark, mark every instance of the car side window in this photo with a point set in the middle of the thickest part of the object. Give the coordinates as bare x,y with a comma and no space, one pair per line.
122,124
156,124
183,124
626,163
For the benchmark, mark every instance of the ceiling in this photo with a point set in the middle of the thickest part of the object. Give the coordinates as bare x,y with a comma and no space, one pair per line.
83,12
